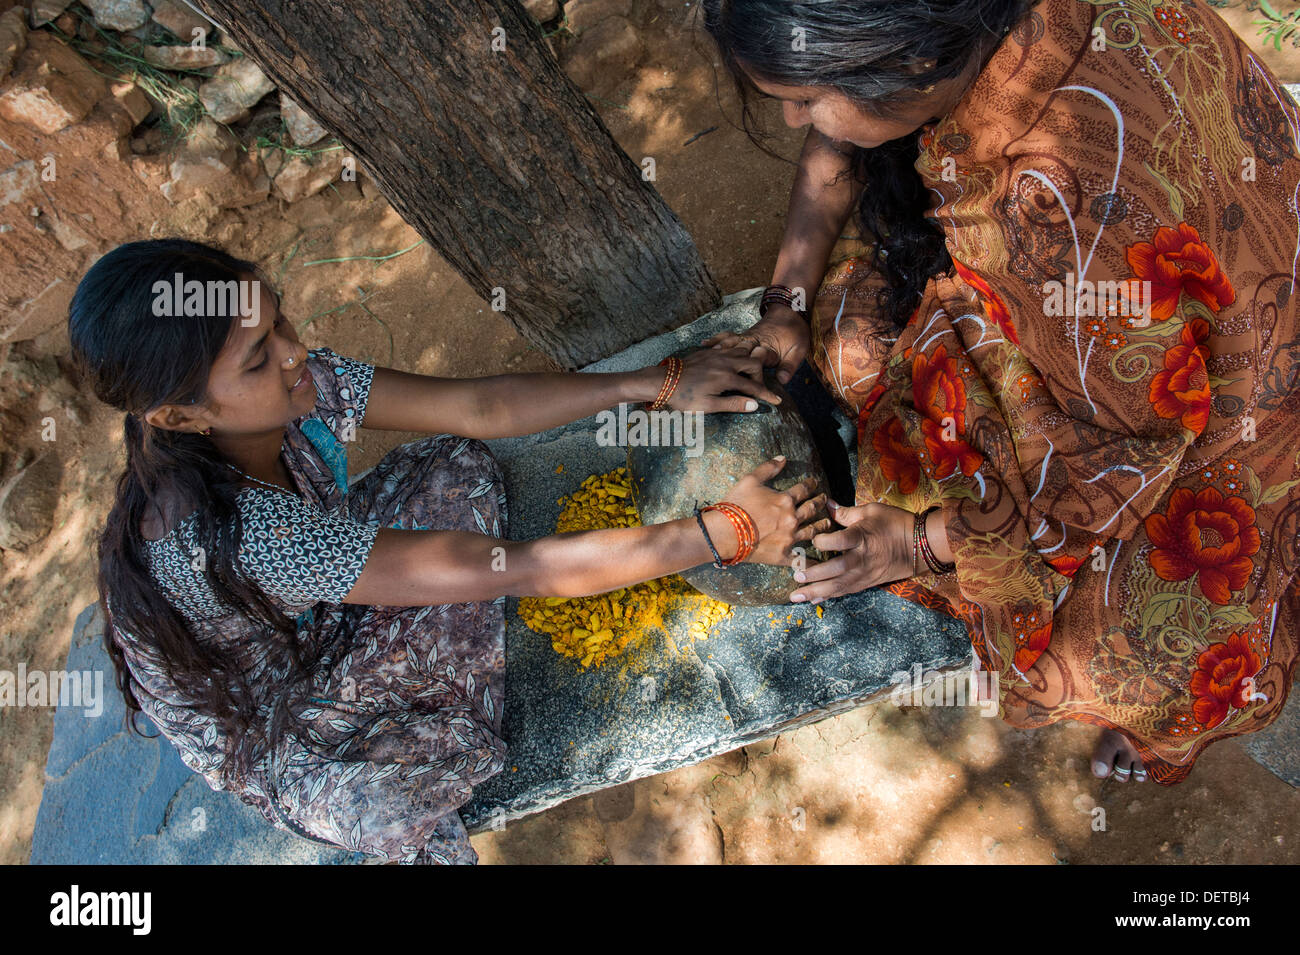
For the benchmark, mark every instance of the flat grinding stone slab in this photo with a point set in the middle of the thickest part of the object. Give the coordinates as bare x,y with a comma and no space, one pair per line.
573,732
110,797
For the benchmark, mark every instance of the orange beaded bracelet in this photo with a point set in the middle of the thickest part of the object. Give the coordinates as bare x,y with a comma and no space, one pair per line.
743,524
671,378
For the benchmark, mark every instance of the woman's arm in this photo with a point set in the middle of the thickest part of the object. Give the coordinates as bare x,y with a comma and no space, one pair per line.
414,568
506,406
822,199
501,405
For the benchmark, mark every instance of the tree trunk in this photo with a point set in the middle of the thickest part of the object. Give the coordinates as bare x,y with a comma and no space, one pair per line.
494,157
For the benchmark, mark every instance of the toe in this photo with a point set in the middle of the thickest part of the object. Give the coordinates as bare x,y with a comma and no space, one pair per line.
1103,757
1139,770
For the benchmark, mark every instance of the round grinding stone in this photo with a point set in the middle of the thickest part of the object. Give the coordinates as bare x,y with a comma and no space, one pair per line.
668,481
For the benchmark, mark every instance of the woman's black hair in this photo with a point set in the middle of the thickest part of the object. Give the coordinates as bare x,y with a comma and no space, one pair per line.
876,53
137,359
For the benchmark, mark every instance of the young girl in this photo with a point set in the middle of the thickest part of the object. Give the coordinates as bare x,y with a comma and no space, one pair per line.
335,655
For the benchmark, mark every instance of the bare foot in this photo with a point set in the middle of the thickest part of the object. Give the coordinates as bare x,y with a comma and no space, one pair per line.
1116,756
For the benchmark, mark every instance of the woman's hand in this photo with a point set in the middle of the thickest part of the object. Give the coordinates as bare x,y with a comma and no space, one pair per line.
781,338
782,518
876,548
707,373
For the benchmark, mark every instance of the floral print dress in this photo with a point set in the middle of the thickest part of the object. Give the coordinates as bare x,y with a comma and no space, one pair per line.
1103,394
404,712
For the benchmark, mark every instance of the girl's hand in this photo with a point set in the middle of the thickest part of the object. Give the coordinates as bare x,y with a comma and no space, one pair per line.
783,518
707,373
875,546
780,338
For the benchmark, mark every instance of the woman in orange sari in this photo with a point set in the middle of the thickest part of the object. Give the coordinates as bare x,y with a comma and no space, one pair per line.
1071,343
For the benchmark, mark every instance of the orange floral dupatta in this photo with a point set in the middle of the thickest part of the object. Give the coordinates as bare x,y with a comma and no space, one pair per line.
1102,396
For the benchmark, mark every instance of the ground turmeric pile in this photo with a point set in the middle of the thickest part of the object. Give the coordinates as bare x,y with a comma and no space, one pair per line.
599,628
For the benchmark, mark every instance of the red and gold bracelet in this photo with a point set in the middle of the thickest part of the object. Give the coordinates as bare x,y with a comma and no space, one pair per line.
931,560
780,295
671,378
742,523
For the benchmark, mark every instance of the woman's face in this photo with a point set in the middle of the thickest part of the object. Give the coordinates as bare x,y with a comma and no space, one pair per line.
837,118
260,379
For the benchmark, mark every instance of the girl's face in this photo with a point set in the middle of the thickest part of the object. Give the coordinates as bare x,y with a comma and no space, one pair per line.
259,381
838,118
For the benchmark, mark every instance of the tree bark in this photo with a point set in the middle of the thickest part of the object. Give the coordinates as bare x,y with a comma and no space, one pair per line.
494,157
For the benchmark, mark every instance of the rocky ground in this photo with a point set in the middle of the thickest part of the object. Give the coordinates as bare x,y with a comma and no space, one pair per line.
112,130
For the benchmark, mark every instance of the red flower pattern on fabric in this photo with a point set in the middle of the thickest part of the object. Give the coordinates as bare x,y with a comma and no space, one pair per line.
1031,641
944,456
898,459
865,413
1177,261
1224,678
993,304
1182,389
1206,534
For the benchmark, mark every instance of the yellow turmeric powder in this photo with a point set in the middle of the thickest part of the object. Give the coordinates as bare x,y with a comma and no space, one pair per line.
595,629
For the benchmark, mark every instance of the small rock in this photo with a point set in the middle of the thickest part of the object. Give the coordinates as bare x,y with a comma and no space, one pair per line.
27,503
119,15
151,168
180,20
582,15
132,99
18,181
43,11
67,234
542,10
13,38
208,166
30,376
236,86
118,150
52,86
40,314
185,57
605,54
272,160
303,130
303,176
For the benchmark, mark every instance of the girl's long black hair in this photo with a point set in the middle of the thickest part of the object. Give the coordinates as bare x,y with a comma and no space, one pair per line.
136,360
874,52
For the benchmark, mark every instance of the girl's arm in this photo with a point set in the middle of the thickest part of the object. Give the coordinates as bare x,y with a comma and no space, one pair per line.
417,568
506,406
